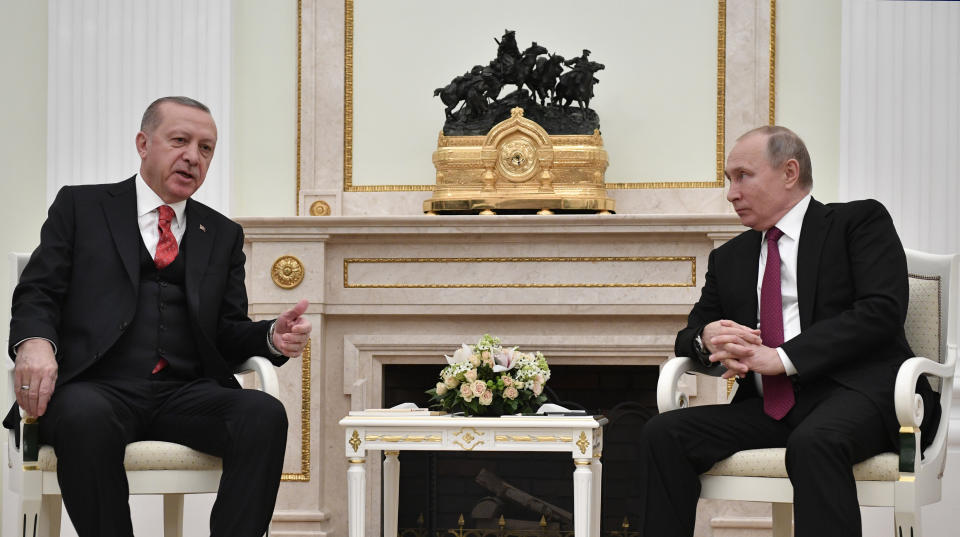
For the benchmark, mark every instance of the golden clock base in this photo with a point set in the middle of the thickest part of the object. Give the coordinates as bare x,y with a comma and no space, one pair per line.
518,168
518,205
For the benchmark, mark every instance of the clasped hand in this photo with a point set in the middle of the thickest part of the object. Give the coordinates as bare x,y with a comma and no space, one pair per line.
740,349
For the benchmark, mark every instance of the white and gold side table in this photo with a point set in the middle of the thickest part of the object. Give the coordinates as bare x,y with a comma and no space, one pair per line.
581,436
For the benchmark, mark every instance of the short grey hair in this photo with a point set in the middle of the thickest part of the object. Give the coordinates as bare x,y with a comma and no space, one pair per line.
784,144
152,116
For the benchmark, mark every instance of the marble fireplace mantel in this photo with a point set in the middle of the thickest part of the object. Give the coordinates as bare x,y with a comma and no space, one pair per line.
584,289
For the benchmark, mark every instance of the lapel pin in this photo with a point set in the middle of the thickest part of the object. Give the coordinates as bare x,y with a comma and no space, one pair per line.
203,229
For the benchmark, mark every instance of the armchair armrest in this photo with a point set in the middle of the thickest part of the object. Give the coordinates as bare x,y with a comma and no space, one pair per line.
266,374
908,403
668,396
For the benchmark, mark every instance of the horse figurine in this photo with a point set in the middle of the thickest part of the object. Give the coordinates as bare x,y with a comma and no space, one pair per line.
543,80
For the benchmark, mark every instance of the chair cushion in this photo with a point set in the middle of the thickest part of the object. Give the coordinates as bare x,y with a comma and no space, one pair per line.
770,463
148,455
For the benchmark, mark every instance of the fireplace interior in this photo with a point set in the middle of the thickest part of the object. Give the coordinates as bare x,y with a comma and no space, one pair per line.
529,493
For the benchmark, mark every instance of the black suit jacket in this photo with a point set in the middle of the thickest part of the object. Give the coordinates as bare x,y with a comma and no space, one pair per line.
80,287
852,292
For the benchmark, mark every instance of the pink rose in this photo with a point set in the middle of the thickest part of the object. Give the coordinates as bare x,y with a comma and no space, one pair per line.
470,375
441,388
539,379
474,360
537,388
486,398
451,381
510,393
466,392
507,380
479,388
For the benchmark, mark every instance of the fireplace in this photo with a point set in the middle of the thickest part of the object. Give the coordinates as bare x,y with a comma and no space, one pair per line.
524,493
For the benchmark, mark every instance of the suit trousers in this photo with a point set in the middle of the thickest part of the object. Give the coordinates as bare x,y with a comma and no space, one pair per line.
830,429
89,423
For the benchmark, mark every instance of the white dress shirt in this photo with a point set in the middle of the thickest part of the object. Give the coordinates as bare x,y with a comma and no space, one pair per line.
148,218
790,225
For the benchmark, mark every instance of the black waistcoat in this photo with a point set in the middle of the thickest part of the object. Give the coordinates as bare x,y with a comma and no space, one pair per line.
160,328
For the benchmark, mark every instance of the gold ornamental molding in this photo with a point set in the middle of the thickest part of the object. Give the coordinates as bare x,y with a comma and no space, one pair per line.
348,185
287,272
583,443
347,262
528,438
320,208
355,440
416,438
772,85
304,473
468,438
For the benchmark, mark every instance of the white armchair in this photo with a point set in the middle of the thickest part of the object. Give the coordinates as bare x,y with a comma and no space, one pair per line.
905,481
152,467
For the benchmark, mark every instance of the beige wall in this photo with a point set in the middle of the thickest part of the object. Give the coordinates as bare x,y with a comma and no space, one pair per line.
808,84
23,133
264,108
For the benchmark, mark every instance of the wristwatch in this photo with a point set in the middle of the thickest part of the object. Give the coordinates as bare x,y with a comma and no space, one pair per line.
700,349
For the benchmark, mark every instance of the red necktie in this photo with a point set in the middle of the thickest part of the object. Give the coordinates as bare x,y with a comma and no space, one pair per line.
167,245
166,253
777,389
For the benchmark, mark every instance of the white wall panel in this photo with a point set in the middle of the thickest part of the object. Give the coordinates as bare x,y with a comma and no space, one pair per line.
108,60
900,115
900,144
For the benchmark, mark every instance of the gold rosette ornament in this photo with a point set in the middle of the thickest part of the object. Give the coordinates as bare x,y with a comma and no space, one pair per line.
518,167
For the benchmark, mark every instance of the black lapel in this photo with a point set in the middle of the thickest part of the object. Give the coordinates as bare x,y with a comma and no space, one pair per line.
202,233
816,224
121,212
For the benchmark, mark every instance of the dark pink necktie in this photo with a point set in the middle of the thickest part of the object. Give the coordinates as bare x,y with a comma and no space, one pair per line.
777,389
165,254
167,244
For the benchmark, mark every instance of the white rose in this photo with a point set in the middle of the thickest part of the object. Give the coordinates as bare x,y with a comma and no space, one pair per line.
474,360
486,398
441,388
537,388
479,388
451,381
470,375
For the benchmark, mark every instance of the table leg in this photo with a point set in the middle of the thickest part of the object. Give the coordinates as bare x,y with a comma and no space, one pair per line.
391,490
582,496
597,469
356,497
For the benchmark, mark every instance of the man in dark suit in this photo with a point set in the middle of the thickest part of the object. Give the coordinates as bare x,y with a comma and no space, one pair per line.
126,325
827,286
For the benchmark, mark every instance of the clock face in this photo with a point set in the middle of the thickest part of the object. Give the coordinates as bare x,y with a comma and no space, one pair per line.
517,160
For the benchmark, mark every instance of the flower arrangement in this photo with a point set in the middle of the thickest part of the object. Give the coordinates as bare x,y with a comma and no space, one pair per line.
487,379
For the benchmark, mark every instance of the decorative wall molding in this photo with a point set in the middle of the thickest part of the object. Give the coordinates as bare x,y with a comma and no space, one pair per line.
108,60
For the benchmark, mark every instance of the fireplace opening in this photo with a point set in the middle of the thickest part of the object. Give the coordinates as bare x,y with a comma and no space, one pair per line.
525,492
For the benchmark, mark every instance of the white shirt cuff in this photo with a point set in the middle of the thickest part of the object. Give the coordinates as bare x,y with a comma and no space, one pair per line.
52,344
788,366
273,349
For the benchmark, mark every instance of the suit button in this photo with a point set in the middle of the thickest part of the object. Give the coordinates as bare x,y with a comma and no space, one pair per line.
123,325
96,356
